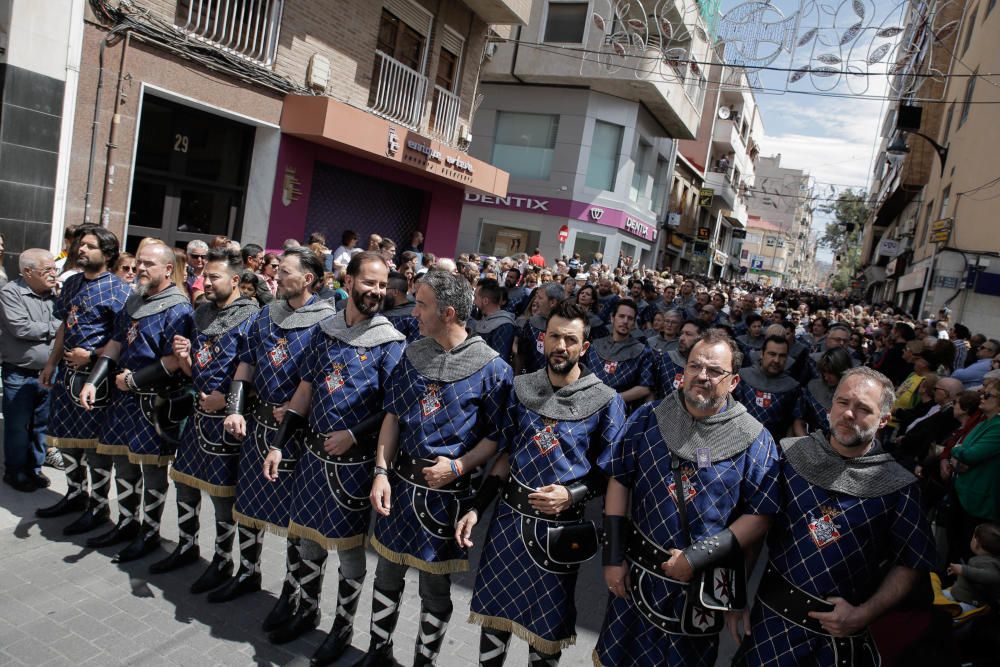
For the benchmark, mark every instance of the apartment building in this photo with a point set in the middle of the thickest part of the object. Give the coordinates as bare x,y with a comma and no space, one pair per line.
588,141
767,253
268,119
932,241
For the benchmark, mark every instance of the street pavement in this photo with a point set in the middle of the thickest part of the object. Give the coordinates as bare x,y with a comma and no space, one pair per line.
64,604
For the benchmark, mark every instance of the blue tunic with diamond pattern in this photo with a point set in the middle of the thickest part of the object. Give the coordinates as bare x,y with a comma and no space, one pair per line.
669,375
89,309
832,544
208,455
626,374
436,419
330,503
275,353
531,344
744,484
127,429
812,412
773,409
536,602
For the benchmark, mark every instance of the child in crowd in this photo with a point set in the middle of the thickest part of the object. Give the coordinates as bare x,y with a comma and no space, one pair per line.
978,582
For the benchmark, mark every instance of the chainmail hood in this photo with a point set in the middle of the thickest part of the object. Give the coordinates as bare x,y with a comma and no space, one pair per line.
821,392
493,322
573,402
869,476
758,379
212,321
369,333
726,434
626,350
139,306
434,363
288,318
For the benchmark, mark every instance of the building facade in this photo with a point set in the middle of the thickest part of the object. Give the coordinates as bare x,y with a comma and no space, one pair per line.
266,119
589,144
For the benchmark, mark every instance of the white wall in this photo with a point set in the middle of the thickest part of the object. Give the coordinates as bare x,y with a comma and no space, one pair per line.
38,34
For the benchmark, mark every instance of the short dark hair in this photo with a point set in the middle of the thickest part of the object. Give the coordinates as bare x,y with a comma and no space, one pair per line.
698,324
348,236
233,260
491,290
106,241
988,536
359,258
398,282
715,336
250,250
836,361
751,318
250,278
776,339
316,237
905,331
386,243
569,310
309,262
969,400
628,303
962,332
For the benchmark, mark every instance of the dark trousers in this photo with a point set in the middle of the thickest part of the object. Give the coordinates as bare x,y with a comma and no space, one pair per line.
25,419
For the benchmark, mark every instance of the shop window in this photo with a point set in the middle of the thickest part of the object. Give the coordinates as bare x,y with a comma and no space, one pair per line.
525,144
605,149
565,22
969,31
639,173
970,90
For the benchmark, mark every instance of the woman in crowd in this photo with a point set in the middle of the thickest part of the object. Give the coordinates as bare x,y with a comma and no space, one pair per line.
587,297
125,268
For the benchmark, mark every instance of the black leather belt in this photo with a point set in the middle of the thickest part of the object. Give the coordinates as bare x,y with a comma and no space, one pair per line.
411,470
356,454
263,413
789,601
645,553
516,495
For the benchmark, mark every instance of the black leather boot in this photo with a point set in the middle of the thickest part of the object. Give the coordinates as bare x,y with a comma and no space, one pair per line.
92,519
218,572
288,600
301,622
430,637
339,638
184,554
145,543
238,586
125,531
385,613
65,505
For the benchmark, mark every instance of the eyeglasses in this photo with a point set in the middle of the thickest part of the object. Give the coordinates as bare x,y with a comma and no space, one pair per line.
50,270
274,265
193,256
130,269
714,372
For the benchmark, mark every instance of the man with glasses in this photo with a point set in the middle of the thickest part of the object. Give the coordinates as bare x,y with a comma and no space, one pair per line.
197,256
88,306
27,329
664,557
972,375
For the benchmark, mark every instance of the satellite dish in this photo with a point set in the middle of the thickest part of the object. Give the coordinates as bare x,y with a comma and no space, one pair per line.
724,113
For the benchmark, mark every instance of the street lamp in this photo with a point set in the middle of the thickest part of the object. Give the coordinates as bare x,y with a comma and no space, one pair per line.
897,151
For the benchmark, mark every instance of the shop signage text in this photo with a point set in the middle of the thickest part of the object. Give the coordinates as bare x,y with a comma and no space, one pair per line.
634,226
433,154
510,201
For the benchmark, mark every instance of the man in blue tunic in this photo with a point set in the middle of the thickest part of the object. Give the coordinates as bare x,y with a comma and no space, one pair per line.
398,308
88,307
142,348
669,366
558,423
344,373
442,405
622,362
207,456
697,478
766,389
496,326
849,543
529,346
270,369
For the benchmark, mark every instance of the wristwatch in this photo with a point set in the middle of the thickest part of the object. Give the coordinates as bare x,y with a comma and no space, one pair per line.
379,470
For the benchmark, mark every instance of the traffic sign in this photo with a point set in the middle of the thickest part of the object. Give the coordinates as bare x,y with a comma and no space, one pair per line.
941,225
563,233
705,196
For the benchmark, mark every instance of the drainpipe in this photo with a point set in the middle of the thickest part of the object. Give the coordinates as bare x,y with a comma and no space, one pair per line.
513,60
660,228
95,123
116,120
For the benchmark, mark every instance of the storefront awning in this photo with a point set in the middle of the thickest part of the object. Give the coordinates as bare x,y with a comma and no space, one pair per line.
326,121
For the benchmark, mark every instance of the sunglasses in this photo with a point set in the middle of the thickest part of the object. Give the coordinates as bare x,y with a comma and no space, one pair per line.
198,256
130,269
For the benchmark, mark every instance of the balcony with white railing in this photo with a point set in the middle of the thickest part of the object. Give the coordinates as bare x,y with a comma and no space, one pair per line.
398,92
444,114
244,28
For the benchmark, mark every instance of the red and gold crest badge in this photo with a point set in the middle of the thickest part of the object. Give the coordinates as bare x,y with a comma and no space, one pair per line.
430,402
279,353
334,379
824,530
133,332
763,398
546,439
686,472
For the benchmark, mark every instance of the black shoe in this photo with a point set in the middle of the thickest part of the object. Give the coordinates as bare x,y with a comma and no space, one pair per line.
297,625
236,587
176,559
123,532
338,641
282,611
144,544
66,505
218,572
22,484
377,657
88,521
39,479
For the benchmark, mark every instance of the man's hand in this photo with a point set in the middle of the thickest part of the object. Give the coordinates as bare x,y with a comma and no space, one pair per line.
738,623
87,396
212,402
955,569
182,347
236,425
550,499
617,579
77,357
279,412
45,378
271,462
381,492
440,473
338,442
463,531
845,619
120,381
678,567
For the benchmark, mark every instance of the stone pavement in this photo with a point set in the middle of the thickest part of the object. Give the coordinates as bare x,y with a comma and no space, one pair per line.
64,604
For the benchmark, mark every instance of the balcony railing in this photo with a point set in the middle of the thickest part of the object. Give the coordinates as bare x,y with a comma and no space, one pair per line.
246,28
444,114
398,92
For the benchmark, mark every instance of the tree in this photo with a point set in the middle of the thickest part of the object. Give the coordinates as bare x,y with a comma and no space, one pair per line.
843,237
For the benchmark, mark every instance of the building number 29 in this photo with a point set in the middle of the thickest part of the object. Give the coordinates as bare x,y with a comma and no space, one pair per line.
181,143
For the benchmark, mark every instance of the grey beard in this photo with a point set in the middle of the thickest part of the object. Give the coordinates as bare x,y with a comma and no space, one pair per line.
859,439
141,288
702,403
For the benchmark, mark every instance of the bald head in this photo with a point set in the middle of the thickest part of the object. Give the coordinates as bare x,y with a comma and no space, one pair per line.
445,264
774,330
951,389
